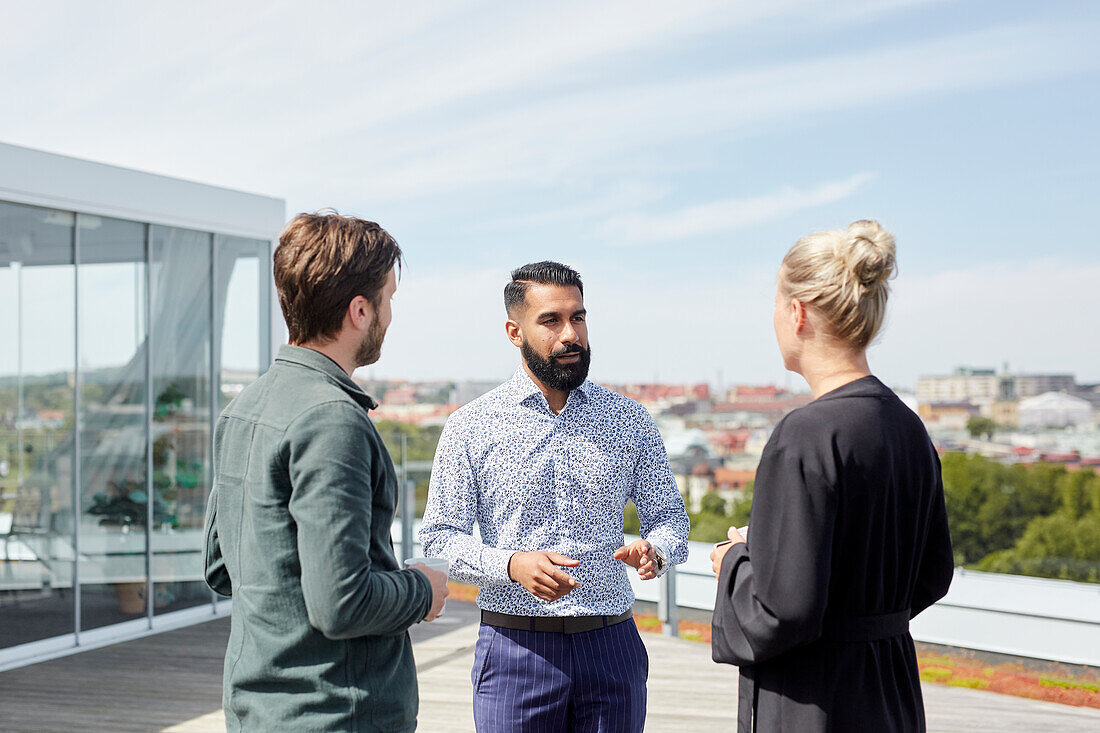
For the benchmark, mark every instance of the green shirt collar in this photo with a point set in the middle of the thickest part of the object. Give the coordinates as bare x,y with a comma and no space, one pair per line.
317,361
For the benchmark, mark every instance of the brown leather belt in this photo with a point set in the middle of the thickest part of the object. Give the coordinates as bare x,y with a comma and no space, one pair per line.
559,624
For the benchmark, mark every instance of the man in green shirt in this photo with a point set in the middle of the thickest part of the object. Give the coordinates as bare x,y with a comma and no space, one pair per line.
298,522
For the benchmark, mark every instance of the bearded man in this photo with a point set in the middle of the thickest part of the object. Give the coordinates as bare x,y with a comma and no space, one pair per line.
298,522
544,465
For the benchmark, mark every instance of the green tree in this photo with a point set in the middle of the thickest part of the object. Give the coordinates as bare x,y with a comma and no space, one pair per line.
420,441
1078,493
981,426
708,526
631,523
989,504
742,506
1057,546
712,503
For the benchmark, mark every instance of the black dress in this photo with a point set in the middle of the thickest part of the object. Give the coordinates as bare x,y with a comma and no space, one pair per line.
848,540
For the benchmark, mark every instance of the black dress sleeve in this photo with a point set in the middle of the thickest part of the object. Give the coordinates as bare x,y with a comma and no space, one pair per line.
937,564
772,591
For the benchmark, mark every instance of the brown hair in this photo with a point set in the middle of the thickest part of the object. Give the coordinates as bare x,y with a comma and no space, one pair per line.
844,275
323,261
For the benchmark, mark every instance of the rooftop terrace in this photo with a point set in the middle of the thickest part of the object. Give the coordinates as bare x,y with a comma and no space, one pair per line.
172,682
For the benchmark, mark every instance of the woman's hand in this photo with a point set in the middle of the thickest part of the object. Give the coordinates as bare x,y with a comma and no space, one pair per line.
722,548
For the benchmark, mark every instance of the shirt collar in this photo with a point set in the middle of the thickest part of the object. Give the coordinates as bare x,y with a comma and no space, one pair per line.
522,387
317,361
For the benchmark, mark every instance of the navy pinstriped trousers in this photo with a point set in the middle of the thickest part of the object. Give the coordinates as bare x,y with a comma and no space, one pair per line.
549,682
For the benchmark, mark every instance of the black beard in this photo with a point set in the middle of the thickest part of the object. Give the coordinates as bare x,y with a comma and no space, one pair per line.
555,375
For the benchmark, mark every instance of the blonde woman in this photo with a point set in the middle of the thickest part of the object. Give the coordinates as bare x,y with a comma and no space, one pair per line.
848,533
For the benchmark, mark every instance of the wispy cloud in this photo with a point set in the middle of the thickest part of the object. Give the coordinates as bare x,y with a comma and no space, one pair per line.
401,106
589,203
715,217
526,143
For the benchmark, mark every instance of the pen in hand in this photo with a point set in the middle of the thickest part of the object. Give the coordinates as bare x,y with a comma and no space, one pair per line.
719,550
744,531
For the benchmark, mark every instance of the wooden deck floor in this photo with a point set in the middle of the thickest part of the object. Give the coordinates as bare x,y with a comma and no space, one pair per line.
172,682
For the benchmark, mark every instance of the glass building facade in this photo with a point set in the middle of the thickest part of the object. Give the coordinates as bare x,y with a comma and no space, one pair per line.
123,340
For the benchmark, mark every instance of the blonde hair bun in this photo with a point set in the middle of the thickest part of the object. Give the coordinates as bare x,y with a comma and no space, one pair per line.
868,251
844,276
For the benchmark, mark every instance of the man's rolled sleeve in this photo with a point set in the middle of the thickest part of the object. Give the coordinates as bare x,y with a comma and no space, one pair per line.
661,512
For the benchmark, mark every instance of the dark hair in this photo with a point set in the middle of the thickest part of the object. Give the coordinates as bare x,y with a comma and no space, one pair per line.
323,261
545,273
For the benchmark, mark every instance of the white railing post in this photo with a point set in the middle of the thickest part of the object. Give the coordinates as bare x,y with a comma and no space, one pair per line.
666,603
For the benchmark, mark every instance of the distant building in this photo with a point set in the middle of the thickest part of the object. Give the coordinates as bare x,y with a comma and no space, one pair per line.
771,408
964,385
753,392
1032,385
728,442
469,391
1005,412
1090,393
983,386
733,480
1054,409
728,484
953,415
400,396
662,393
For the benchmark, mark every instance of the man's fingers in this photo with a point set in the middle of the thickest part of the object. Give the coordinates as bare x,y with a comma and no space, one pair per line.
550,589
562,577
559,559
556,576
549,594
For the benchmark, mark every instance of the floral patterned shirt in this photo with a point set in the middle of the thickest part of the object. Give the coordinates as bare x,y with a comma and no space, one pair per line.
532,480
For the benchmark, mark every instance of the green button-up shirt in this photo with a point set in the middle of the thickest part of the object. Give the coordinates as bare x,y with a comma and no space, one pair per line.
298,532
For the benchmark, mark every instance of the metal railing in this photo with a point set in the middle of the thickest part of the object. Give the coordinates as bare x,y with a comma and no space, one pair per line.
667,610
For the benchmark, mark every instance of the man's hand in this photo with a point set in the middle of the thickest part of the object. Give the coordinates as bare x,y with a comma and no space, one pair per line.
722,548
641,555
440,591
539,573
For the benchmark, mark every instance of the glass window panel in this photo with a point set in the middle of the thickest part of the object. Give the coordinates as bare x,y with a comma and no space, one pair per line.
36,421
179,262
241,322
113,494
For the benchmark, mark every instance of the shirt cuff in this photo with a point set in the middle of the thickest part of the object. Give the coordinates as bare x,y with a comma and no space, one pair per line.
663,552
494,563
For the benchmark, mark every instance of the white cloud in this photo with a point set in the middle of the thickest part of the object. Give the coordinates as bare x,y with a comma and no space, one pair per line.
726,215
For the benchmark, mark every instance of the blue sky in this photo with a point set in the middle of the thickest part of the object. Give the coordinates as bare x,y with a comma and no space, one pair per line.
670,151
